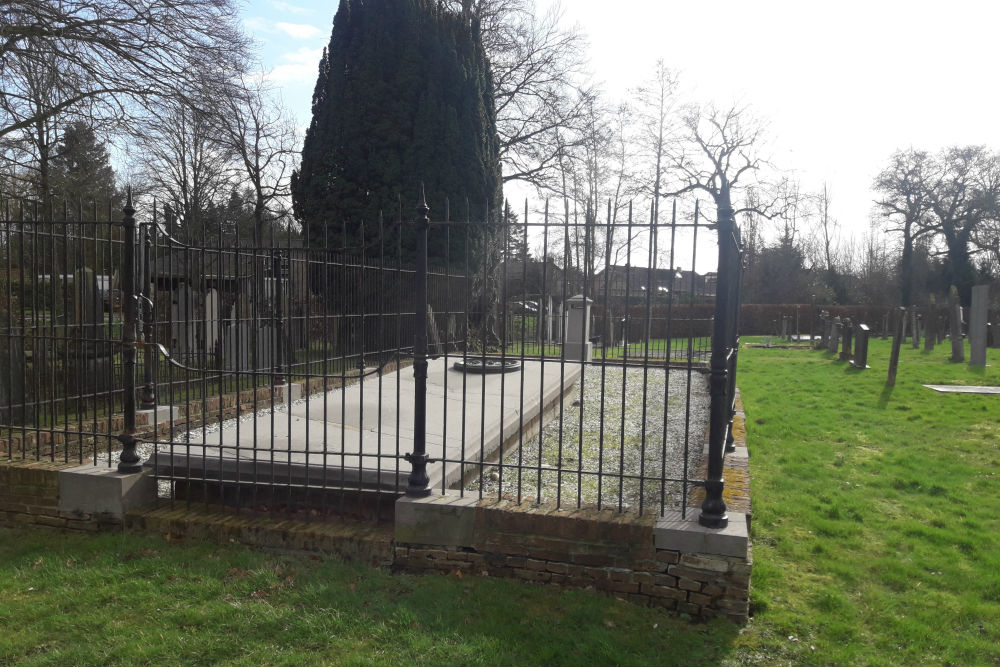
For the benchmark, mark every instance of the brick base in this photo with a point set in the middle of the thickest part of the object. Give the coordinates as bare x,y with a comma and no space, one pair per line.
29,496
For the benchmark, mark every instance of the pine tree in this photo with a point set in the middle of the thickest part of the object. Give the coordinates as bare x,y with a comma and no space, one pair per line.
404,96
81,169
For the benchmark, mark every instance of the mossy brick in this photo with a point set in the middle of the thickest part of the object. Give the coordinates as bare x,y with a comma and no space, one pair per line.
738,593
664,592
710,563
663,602
619,586
688,584
691,573
689,608
730,605
699,599
52,521
668,557
712,590
665,580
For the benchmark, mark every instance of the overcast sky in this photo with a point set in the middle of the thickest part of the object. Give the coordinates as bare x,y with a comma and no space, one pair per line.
841,85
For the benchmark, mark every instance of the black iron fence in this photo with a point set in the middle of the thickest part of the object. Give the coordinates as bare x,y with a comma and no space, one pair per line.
553,360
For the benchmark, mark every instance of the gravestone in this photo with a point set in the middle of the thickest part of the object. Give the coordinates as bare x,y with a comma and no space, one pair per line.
835,331
994,334
578,346
848,332
861,335
784,327
89,353
13,388
549,317
212,314
183,322
559,319
957,347
434,346
977,325
930,329
824,330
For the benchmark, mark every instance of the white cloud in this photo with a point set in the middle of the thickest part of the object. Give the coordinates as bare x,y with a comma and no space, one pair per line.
289,7
257,24
299,30
297,67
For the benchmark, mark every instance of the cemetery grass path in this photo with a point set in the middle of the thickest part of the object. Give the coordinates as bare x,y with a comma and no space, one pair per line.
876,542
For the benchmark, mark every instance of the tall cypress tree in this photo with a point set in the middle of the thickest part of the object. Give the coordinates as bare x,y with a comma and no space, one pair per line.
404,96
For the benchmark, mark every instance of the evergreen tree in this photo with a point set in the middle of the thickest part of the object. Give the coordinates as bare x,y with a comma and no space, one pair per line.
81,168
404,96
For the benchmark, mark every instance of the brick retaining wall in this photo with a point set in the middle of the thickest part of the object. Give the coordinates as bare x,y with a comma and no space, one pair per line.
29,496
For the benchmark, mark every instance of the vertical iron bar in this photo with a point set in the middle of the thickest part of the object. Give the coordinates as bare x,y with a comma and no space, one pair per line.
128,461
419,482
713,509
148,398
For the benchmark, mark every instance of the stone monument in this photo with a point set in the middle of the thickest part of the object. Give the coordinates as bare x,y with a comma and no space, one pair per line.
578,346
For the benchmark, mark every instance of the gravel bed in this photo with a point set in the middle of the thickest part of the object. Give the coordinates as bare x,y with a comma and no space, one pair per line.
576,466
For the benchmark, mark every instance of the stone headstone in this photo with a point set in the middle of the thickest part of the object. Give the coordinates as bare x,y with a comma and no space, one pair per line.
784,328
578,346
183,322
247,347
861,335
930,329
89,354
835,331
212,320
977,325
434,346
824,330
848,333
14,408
559,318
955,329
549,318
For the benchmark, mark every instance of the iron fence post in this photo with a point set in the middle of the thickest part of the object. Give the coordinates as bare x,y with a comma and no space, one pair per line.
713,509
734,333
419,482
128,461
147,400
279,320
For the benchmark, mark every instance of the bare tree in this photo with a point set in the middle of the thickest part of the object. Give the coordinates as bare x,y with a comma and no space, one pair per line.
905,207
538,75
186,165
114,56
964,192
654,111
260,135
718,153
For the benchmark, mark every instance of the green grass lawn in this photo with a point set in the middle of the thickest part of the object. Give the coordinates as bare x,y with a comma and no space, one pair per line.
876,542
